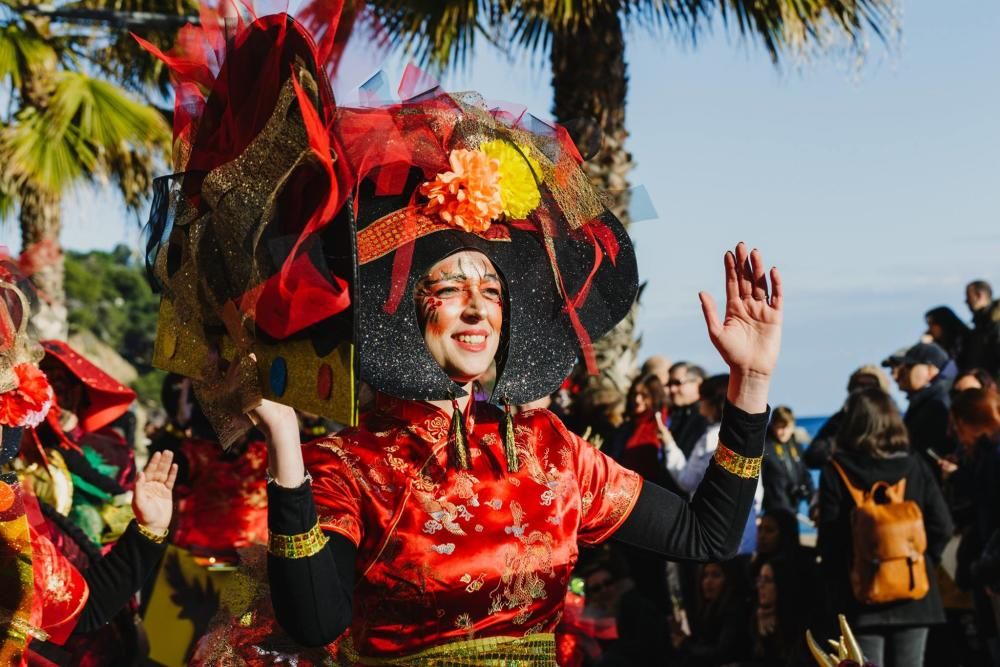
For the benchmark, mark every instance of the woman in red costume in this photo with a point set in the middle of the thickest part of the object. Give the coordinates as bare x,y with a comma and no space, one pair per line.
443,529
53,591
426,560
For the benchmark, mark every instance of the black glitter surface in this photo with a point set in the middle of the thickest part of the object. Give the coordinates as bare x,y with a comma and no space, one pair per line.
539,346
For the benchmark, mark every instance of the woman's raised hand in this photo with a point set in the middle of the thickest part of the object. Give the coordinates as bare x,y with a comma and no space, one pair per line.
153,498
749,336
280,426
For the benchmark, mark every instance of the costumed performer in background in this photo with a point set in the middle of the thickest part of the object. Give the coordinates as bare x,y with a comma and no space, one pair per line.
54,590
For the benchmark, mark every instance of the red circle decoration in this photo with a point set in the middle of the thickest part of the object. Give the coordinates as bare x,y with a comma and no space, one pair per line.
324,382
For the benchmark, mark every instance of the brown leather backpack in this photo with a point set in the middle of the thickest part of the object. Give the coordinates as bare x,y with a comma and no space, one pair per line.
889,543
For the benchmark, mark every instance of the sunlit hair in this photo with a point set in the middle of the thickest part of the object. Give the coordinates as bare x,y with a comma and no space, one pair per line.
978,409
872,425
654,388
868,375
782,416
982,376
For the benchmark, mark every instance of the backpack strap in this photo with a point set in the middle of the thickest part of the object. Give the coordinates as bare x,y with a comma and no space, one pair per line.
896,492
858,495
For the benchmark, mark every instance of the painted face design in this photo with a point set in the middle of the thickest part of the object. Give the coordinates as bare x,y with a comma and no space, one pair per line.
460,309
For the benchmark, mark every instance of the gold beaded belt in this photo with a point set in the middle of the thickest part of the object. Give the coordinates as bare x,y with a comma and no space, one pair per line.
535,650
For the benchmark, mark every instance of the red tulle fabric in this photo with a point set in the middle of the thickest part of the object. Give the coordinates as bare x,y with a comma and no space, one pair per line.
28,404
222,104
219,109
450,554
382,143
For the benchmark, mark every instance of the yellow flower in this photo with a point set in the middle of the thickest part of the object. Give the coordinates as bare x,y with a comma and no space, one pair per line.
518,171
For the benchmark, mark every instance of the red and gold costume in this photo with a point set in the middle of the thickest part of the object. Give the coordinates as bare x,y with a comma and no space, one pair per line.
419,524
223,503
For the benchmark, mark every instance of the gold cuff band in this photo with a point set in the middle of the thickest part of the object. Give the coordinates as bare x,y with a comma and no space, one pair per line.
152,536
302,545
745,467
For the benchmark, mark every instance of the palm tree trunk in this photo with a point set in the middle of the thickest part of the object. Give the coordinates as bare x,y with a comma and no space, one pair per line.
590,83
41,215
41,223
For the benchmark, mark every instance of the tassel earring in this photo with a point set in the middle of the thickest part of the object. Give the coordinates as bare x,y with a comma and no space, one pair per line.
458,439
509,446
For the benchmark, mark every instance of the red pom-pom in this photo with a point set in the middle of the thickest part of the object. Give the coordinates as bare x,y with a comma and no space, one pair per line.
28,404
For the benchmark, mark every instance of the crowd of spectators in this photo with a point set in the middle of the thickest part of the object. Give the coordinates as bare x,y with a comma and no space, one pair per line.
936,466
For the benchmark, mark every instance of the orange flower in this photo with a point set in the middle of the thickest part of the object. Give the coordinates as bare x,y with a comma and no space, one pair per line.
468,196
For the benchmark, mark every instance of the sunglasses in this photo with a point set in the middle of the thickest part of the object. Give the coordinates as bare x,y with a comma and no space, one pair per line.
677,383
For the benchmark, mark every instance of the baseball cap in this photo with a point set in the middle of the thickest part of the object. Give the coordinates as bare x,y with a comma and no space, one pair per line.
895,359
926,353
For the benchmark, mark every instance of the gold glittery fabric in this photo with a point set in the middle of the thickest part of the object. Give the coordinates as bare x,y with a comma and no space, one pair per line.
302,545
244,632
16,575
209,269
535,650
745,467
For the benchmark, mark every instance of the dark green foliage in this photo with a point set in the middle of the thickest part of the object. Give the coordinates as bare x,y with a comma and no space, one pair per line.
107,294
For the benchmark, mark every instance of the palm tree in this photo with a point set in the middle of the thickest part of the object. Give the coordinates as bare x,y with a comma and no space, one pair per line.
585,41
67,124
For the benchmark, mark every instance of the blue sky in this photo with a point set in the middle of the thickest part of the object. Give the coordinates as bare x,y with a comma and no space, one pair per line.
876,190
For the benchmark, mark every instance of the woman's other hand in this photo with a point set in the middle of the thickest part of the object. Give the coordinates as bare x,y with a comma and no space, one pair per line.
153,499
749,336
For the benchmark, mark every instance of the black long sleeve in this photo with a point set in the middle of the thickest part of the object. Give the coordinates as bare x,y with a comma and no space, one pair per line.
711,526
312,596
117,576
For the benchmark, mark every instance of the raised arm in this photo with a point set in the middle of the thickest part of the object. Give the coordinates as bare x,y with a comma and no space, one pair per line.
116,577
748,339
311,572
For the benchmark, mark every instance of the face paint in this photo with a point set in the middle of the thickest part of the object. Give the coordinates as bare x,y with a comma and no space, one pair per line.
460,308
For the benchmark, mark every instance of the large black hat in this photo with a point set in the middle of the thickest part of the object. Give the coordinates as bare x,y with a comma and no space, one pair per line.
569,267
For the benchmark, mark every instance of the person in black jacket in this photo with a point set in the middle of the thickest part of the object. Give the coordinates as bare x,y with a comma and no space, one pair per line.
984,342
686,425
784,474
873,446
948,330
927,387
719,629
976,416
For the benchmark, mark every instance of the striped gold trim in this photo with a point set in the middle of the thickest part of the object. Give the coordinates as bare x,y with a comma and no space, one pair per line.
538,650
745,467
19,629
302,545
152,535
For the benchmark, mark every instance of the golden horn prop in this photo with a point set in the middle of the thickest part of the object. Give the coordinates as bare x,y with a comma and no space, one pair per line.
849,642
822,659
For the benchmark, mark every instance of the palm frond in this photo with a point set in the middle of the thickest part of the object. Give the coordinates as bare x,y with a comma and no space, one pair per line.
90,129
104,113
21,49
36,149
435,33
442,32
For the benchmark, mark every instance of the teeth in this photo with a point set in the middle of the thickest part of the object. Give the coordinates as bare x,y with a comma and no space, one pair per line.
472,340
